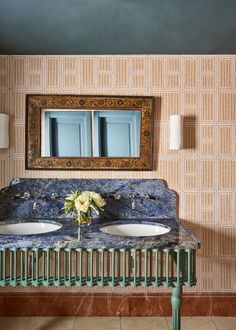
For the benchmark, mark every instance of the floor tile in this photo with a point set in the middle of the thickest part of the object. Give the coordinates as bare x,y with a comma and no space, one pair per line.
141,323
13,323
115,323
50,323
224,323
97,323
195,323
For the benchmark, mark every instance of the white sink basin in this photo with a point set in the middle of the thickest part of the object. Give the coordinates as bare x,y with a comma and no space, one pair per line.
135,229
28,228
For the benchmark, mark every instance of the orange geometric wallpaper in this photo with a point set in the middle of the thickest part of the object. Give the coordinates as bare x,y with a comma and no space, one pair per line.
203,173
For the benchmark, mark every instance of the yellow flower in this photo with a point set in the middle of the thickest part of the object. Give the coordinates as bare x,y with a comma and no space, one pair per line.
97,198
86,194
82,203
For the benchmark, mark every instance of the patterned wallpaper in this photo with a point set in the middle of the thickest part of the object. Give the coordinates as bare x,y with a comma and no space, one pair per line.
201,88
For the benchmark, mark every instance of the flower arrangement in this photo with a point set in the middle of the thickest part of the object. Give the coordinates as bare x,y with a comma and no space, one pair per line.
82,203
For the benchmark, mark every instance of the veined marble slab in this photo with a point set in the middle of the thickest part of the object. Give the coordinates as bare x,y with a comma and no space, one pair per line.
38,204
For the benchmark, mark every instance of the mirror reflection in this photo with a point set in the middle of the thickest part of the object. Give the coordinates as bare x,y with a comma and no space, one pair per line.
90,133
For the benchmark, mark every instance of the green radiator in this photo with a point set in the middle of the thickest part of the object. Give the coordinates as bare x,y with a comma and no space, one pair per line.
113,267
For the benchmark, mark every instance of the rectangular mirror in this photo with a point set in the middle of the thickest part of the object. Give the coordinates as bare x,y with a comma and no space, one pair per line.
88,132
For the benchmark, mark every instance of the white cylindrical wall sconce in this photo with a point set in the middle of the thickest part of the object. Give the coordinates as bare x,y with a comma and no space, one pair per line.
4,130
176,132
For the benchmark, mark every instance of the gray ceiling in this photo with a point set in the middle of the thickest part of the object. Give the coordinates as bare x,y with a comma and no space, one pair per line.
117,26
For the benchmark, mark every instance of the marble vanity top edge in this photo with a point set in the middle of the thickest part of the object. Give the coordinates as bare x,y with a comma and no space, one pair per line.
91,237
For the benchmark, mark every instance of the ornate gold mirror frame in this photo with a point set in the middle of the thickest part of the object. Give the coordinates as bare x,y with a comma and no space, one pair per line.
36,103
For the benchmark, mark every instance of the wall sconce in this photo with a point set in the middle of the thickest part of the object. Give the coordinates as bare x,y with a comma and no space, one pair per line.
176,132
4,130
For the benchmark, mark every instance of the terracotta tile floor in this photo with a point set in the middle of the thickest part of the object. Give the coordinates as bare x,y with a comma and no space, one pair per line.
114,323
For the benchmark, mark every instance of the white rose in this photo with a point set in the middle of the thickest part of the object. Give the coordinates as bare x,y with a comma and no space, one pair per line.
86,193
97,198
82,203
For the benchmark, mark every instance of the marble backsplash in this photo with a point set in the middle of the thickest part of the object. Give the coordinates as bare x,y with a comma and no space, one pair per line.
126,198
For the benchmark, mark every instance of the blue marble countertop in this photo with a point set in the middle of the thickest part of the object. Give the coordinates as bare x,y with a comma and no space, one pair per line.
145,201
91,237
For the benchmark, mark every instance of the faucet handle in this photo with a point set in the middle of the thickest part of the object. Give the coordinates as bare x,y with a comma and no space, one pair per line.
146,196
54,195
132,196
115,196
26,195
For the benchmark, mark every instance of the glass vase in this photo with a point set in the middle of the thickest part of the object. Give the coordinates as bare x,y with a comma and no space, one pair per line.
84,220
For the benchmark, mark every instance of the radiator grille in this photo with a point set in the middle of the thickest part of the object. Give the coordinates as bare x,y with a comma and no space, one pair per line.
102,267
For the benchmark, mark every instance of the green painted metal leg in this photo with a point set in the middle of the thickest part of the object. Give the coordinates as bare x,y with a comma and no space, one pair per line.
176,300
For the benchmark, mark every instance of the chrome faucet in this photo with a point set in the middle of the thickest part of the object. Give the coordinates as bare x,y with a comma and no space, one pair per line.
132,198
